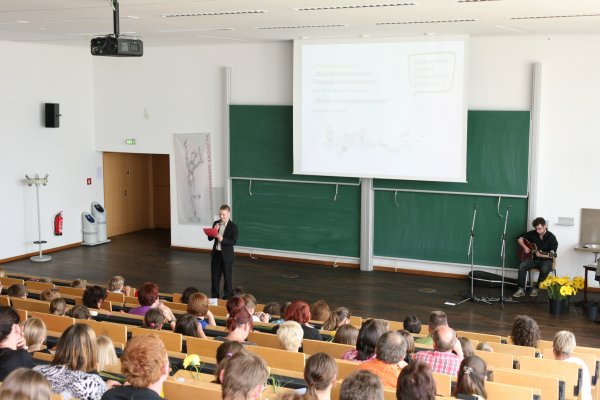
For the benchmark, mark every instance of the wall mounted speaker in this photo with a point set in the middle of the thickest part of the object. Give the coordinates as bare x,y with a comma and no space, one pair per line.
52,115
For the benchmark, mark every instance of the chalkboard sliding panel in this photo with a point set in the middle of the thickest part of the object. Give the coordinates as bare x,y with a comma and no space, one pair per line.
298,217
435,227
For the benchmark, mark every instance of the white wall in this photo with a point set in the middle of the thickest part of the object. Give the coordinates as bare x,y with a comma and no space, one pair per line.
31,75
182,89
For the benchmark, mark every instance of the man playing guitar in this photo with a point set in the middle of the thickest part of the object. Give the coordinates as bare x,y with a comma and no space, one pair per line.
544,244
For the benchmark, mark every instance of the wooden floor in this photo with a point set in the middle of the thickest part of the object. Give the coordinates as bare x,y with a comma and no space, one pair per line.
146,256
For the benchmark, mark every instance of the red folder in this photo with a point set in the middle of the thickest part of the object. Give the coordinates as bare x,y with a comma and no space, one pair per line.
211,232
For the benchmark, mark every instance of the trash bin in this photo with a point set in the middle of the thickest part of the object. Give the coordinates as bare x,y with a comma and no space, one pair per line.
99,215
591,310
89,229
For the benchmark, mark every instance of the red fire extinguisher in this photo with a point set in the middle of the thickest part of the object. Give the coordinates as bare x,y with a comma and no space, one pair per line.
58,224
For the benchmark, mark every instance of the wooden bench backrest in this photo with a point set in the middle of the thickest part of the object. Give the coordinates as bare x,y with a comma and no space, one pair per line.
590,360
220,311
132,300
70,290
496,360
345,368
176,306
265,340
397,325
23,314
548,384
54,323
176,297
4,301
115,298
482,337
443,384
355,321
335,350
38,355
184,391
38,285
569,371
202,347
8,282
502,391
30,304
513,349
116,332
281,359
172,341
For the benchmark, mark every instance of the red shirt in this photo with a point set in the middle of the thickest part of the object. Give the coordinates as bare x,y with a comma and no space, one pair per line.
440,362
388,373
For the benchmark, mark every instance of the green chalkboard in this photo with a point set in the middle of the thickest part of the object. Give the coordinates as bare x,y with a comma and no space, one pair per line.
497,156
436,227
261,144
299,217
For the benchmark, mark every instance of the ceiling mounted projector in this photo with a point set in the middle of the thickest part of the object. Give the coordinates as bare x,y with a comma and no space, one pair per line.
114,45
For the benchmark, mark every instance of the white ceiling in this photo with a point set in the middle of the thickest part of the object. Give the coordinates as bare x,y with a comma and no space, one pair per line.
75,22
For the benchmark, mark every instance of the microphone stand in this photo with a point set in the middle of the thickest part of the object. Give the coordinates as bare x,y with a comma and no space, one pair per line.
503,299
471,254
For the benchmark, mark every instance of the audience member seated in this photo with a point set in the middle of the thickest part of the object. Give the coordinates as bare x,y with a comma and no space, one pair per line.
187,293
148,298
17,290
34,333
346,334
272,308
145,365
234,302
188,325
442,359
50,294
361,385
117,285
198,307
93,297
368,335
416,383
410,344
320,374
562,347
70,371
250,301
105,350
319,311
483,346
224,353
239,325
290,335
389,360
13,355
79,284
339,317
25,384
467,346
525,331
299,311
412,324
58,307
244,376
154,319
472,375
79,312
2,272
238,291
436,319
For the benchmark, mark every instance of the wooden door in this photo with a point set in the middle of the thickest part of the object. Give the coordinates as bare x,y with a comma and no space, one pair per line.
114,192
161,191
137,196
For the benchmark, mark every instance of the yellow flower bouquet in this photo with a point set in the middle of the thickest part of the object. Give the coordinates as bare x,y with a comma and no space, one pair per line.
193,360
563,287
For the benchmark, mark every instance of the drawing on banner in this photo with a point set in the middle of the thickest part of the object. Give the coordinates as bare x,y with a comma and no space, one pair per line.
193,173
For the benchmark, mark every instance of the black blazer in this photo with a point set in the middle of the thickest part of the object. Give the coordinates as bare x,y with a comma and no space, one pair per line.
229,240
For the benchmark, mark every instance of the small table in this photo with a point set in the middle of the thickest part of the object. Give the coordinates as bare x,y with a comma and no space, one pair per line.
587,268
595,249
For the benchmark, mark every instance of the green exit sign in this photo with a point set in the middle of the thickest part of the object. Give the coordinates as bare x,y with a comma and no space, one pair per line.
129,141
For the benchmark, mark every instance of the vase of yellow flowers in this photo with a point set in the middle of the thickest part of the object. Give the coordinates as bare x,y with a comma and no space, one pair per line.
560,290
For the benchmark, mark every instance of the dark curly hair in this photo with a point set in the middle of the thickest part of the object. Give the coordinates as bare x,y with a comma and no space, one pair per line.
525,331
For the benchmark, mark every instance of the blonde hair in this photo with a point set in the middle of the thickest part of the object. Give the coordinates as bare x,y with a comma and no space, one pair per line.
290,335
25,384
105,352
564,343
116,283
76,349
2,272
58,306
34,332
143,360
50,294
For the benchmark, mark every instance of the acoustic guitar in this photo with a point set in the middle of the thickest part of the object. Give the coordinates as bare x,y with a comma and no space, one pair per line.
533,249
